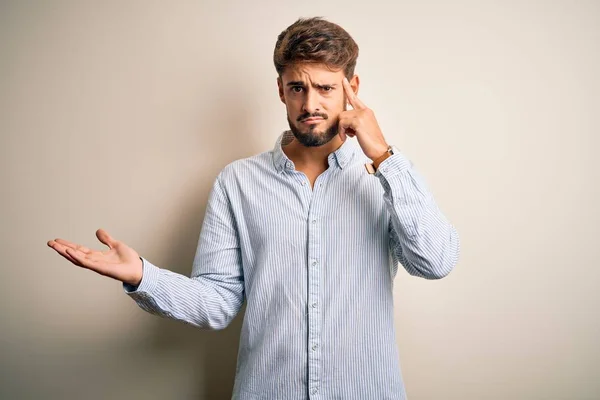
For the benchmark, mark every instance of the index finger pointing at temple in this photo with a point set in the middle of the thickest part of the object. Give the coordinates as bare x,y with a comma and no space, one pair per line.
352,98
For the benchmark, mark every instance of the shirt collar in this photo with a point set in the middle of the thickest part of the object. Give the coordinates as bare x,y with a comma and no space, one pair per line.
343,155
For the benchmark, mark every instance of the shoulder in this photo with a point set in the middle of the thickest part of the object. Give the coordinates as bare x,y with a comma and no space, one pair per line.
246,169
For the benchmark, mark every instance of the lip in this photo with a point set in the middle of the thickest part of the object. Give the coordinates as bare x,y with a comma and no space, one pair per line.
312,120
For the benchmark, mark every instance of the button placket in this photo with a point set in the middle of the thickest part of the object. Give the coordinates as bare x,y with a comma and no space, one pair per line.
314,285
314,277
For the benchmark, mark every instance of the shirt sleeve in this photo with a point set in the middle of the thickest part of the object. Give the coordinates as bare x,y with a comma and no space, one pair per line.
421,237
214,293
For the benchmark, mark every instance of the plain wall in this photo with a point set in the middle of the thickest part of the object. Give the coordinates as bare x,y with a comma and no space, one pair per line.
120,114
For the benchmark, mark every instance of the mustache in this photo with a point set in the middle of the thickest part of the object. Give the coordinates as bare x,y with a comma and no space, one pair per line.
309,115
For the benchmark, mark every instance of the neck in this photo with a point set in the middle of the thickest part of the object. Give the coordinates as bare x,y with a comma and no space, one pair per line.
311,157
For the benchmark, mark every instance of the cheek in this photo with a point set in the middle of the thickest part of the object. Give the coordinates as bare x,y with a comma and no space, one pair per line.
335,107
336,103
291,110
293,106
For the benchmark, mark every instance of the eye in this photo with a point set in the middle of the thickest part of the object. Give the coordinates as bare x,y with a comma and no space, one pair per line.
327,88
297,89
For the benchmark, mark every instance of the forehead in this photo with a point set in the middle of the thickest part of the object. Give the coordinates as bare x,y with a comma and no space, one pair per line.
311,72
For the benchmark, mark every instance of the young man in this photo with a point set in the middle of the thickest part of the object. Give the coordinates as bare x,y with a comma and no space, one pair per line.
309,234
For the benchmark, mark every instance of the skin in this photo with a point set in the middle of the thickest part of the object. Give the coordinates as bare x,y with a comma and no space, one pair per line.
306,90
313,90
119,262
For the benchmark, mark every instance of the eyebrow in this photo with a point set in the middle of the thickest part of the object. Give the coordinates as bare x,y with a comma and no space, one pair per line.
317,85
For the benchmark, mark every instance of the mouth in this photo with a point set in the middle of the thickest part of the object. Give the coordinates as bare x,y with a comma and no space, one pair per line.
311,121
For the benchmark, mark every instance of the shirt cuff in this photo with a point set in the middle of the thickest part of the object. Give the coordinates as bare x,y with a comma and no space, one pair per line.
150,275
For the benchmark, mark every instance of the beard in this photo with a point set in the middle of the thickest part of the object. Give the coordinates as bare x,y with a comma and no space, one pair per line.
312,137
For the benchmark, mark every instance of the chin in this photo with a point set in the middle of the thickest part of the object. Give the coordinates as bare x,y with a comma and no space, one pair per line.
313,138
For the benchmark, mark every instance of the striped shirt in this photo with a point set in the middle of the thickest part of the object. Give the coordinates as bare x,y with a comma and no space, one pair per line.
315,266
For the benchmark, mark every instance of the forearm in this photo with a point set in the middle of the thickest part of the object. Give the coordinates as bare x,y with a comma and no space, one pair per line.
198,301
423,239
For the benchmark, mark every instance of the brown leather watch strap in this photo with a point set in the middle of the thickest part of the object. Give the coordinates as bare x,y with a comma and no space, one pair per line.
380,159
372,168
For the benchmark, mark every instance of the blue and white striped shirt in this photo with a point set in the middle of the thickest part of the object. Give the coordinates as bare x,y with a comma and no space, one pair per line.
316,267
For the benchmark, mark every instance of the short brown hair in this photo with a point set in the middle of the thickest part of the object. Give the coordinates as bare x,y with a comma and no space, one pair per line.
316,40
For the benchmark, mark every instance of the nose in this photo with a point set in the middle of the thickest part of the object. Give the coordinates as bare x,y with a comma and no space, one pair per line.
311,102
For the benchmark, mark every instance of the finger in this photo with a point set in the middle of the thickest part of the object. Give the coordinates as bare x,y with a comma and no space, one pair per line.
352,97
86,262
341,127
72,245
68,257
345,130
105,238
346,123
62,251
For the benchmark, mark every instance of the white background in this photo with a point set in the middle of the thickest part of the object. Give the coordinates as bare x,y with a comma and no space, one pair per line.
120,114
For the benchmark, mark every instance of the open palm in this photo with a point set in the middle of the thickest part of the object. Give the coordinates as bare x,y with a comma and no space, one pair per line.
119,262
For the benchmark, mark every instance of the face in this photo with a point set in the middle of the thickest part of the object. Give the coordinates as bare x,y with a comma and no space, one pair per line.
314,98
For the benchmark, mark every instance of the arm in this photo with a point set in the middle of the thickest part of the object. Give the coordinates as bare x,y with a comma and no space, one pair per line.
214,293
421,238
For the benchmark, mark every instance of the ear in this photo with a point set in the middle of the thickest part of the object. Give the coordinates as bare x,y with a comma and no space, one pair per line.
355,83
280,88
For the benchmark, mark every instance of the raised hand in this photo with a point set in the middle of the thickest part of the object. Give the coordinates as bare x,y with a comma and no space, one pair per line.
361,122
119,262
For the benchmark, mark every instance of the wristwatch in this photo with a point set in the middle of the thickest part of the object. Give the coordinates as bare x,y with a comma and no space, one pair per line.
371,166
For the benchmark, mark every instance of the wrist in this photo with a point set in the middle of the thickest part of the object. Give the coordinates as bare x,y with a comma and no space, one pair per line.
378,160
378,152
136,279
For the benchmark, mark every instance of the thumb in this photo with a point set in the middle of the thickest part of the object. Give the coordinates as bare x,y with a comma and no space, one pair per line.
105,238
342,130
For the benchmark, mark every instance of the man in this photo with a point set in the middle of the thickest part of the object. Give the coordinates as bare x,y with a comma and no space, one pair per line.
309,234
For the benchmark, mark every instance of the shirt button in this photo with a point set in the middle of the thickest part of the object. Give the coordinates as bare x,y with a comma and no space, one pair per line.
314,221
314,391
314,305
304,183
314,262
315,347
